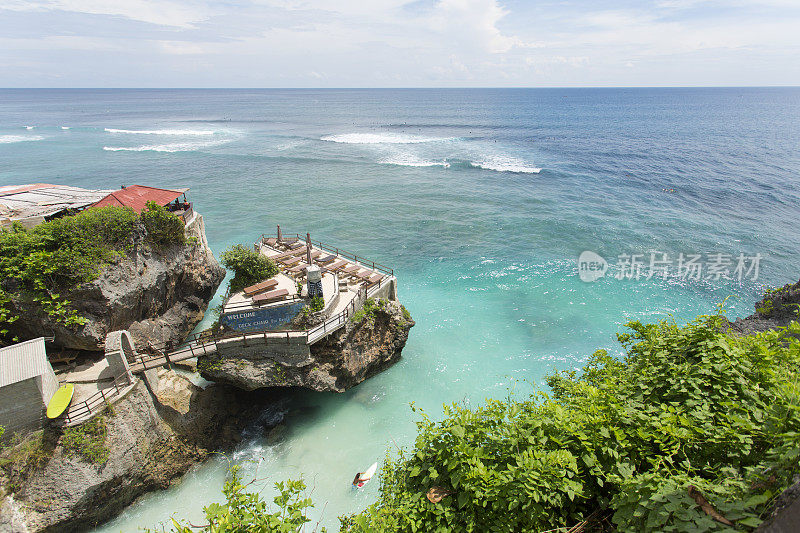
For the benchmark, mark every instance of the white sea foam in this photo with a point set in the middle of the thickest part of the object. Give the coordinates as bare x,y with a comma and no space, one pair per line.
29,127
408,160
171,147
505,164
381,138
161,132
64,127
6,139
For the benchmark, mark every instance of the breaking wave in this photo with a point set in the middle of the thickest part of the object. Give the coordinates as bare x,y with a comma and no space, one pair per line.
505,164
171,147
6,139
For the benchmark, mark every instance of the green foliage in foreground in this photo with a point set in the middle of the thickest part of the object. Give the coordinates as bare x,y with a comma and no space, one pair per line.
247,512
40,264
688,406
249,267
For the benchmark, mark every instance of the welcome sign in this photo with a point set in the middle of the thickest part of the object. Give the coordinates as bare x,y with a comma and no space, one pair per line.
262,319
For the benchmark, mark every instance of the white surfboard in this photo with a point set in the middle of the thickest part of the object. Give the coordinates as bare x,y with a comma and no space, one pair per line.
366,476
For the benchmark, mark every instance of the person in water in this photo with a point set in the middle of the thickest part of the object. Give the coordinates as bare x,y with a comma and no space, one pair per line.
357,479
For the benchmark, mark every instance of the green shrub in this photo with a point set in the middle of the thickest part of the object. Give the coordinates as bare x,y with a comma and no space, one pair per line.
163,228
87,440
367,311
249,267
245,511
37,265
688,406
317,304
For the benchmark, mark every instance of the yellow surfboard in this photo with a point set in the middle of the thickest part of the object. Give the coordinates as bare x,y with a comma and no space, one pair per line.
60,400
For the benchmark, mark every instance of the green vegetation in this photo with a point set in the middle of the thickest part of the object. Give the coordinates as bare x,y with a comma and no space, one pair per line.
688,406
87,440
368,311
38,265
163,228
249,267
693,430
406,317
317,304
246,512
20,457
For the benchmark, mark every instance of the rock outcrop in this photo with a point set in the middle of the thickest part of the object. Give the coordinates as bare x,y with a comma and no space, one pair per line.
153,435
159,295
775,310
336,363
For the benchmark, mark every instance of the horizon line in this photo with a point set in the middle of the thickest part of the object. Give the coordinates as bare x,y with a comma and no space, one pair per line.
414,87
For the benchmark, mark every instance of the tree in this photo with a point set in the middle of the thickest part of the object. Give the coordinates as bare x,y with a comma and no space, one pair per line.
248,266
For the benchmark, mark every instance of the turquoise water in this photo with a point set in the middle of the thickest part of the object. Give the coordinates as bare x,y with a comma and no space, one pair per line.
481,200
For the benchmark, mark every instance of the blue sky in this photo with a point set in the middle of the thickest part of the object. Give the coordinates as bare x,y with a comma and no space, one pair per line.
387,43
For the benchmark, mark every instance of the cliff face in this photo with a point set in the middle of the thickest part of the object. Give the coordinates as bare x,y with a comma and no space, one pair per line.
159,295
776,309
336,363
159,430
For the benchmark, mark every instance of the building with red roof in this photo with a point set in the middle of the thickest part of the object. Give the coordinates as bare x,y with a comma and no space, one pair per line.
137,196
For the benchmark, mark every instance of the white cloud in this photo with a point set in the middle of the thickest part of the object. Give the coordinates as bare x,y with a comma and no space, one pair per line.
165,13
400,42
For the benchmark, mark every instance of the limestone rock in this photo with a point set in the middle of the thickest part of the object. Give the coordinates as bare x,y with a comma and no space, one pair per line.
336,363
158,295
776,309
154,435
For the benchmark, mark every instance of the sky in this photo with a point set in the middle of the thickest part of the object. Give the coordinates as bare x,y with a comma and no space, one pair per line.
396,43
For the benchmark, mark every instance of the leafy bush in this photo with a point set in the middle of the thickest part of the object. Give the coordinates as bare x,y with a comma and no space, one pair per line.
367,311
247,512
56,256
317,304
163,228
87,440
249,267
688,406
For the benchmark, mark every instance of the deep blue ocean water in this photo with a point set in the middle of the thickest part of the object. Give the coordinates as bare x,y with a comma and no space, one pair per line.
482,201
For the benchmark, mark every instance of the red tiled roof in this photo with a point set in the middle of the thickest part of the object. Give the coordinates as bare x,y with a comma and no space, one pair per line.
137,196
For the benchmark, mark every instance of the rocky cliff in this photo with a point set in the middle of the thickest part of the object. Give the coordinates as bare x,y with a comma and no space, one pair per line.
367,345
159,295
75,479
775,310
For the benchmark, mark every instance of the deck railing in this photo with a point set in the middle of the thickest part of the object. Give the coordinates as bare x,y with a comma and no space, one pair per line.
366,263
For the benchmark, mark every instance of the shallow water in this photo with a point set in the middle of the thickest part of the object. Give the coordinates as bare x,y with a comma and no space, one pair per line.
481,200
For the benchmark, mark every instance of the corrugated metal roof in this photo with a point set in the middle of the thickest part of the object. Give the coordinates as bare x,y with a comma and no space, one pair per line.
18,202
22,361
137,196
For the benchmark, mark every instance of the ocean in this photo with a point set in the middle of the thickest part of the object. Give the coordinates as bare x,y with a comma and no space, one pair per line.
482,200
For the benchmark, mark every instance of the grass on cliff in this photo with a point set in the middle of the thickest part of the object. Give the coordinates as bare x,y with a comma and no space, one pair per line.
87,440
40,264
